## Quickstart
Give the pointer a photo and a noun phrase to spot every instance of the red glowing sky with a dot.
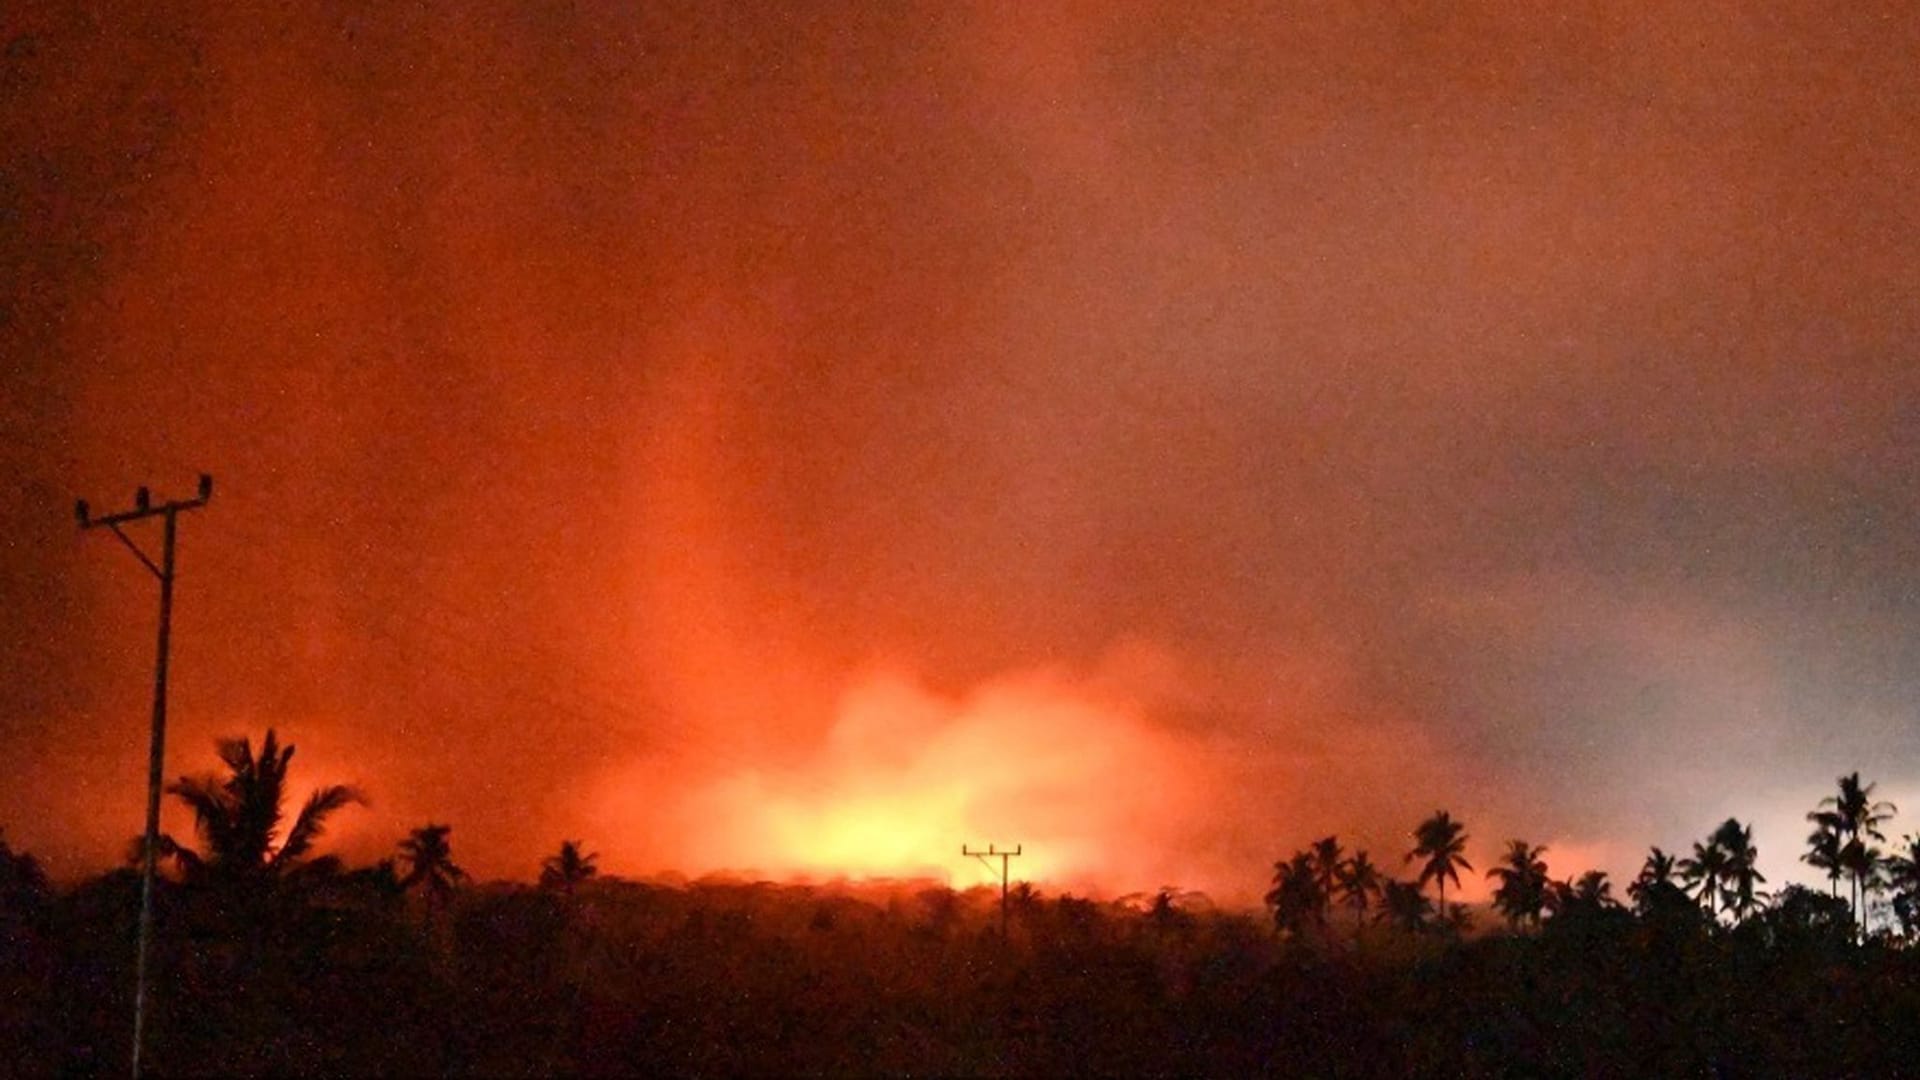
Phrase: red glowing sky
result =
(809, 440)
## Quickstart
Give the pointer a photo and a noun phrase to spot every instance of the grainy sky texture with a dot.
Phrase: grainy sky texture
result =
(808, 437)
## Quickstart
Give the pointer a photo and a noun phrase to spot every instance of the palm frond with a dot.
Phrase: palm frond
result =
(311, 821)
(213, 814)
(258, 790)
(237, 754)
(203, 794)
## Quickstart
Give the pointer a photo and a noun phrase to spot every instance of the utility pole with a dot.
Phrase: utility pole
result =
(156, 752)
(1003, 856)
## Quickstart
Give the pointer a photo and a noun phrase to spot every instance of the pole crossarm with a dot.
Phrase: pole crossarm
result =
(143, 507)
(991, 852)
(125, 516)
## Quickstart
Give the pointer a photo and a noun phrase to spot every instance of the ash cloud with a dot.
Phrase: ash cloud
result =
(606, 394)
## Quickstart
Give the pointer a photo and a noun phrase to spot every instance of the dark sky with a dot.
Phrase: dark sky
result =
(811, 436)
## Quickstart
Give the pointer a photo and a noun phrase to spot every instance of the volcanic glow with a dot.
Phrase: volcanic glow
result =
(906, 776)
(738, 435)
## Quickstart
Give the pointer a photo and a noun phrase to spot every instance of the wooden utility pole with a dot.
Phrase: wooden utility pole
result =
(156, 750)
(1003, 856)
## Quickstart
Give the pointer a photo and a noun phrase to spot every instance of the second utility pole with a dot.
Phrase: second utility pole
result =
(156, 749)
(1004, 856)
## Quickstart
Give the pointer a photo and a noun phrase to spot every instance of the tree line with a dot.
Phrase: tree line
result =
(273, 958)
(1720, 878)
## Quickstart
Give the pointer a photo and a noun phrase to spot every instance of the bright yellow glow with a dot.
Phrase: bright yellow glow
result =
(872, 834)
(906, 777)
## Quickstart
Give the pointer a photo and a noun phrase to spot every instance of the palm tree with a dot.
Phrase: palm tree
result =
(1296, 899)
(1359, 882)
(1404, 905)
(1327, 858)
(1441, 842)
(1903, 878)
(569, 868)
(1864, 864)
(1522, 891)
(1858, 811)
(1705, 874)
(1823, 847)
(1655, 889)
(238, 817)
(1594, 890)
(1581, 903)
(430, 864)
(1655, 872)
(1738, 894)
(1857, 818)
(1457, 920)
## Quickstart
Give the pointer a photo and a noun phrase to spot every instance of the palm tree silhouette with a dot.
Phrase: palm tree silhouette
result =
(1441, 842)
(1656, 871)
(1705, 873)
(1457, 920)
(1359, 883)
(1655, 889)
(1327, 858)
(1594, 890)
(1583, 900)
(1522, 891)
(1403, 905)
(1740, 876)
(568, 868)
(238, 817)
(1863, 863)
(1903, 878)
(1857, 818)
(1296, 899)
(430, 864)
(1858, 811)
(1823, 847)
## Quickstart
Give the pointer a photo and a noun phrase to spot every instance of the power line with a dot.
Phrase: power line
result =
(156, 751)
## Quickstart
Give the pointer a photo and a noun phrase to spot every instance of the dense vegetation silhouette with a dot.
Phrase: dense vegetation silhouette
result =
(271, 960)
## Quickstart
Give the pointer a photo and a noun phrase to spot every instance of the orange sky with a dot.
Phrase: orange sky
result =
(1158, 435)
